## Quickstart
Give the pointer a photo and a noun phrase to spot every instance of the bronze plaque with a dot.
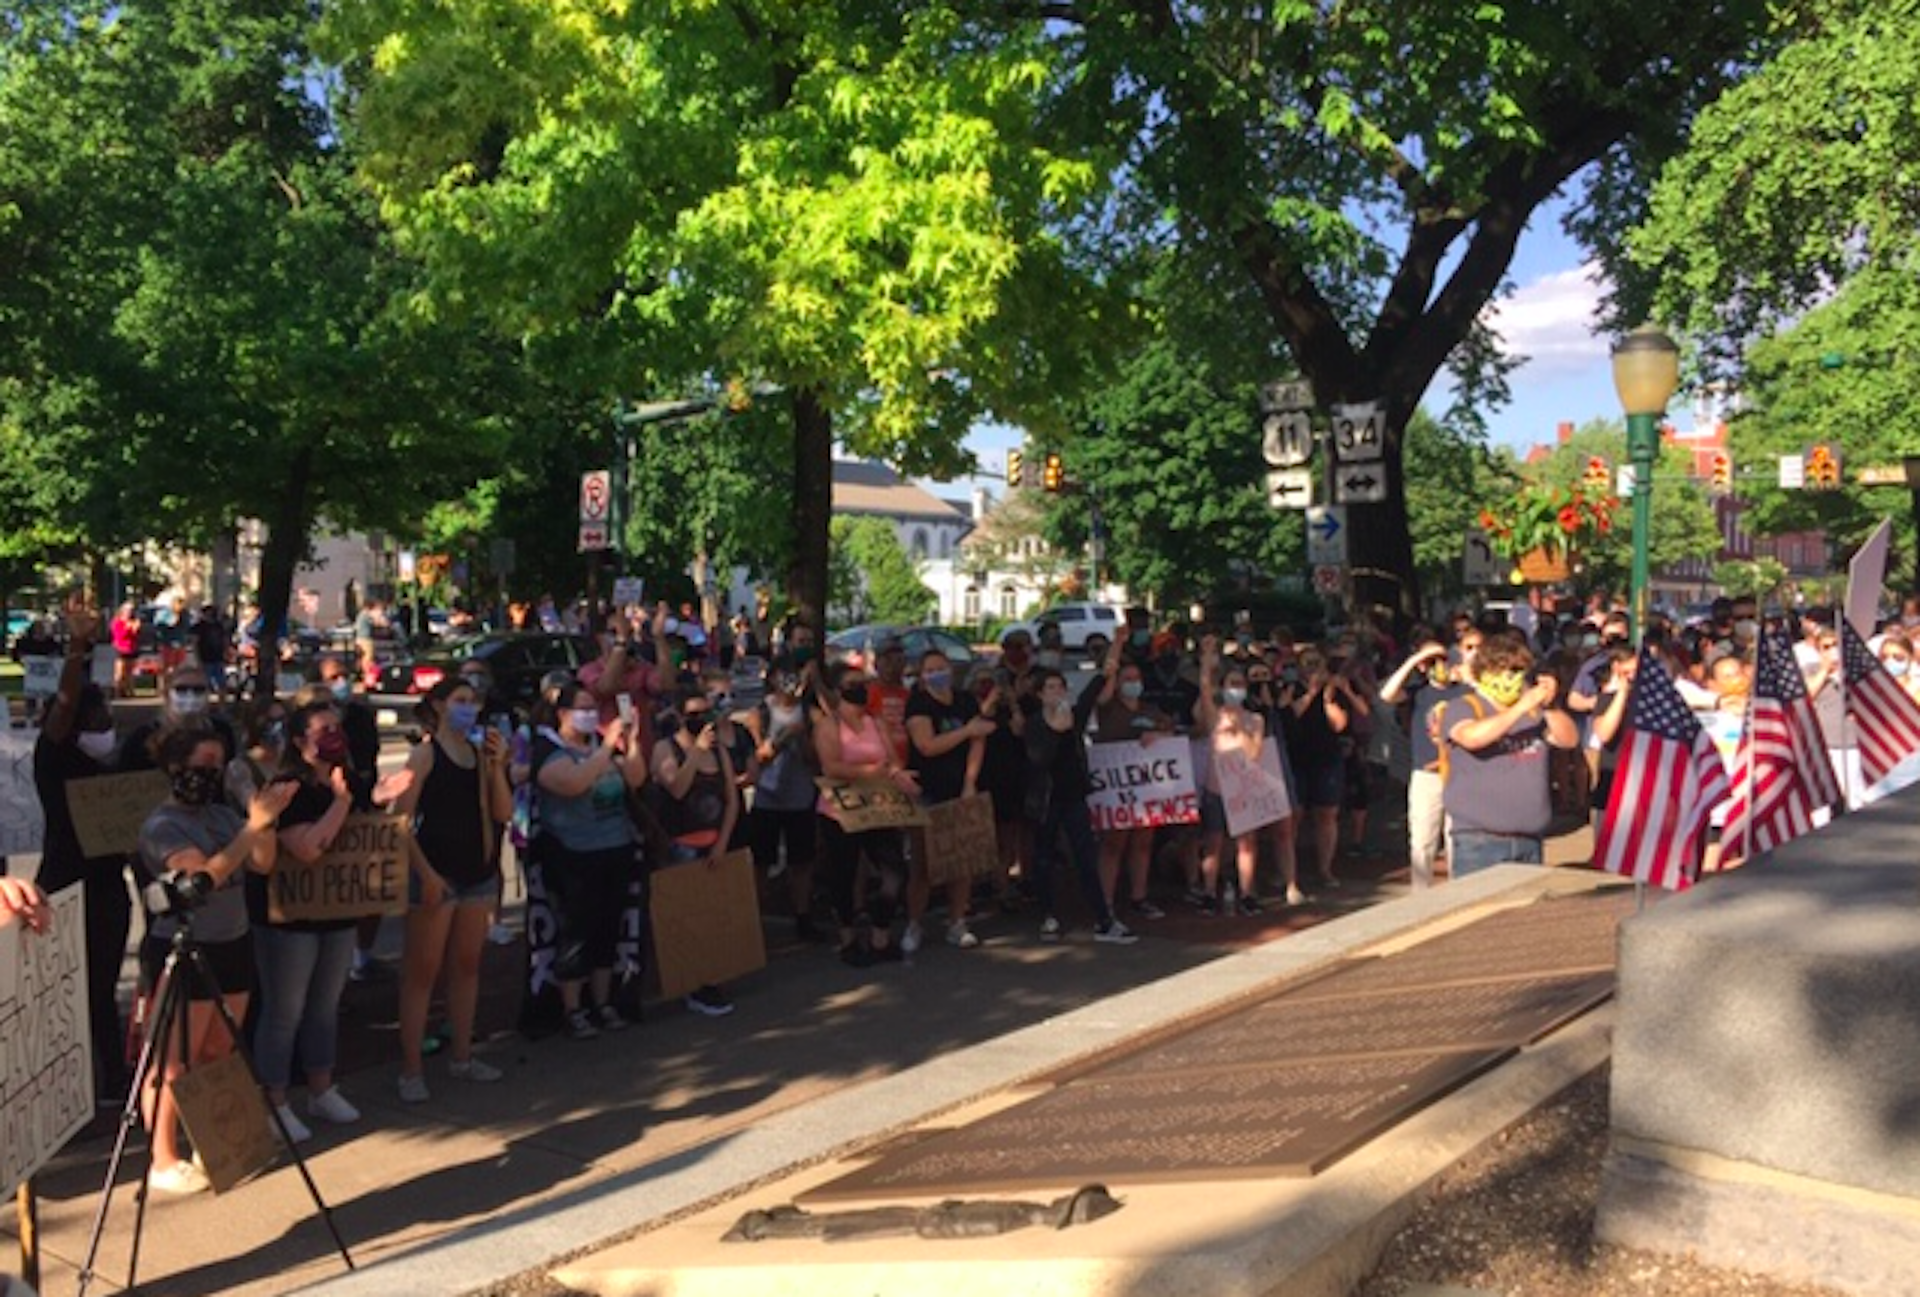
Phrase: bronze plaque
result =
(1288, 1120)
(1529, 942)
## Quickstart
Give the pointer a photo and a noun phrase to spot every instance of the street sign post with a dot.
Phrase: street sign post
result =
(1327, 578)
(1286, 438)
(1793, 472)
(1360, 484)
(1358, 432)
(1327, 535)
(596, 497)
(1479, 565)
(1296, 394)
(593, 536)
(1290, 488)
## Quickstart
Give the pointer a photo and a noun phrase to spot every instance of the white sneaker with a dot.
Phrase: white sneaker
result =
(413, 1089)
(474, 1069)
(1115, 933)
(959, 934)
(1295, 896)
(331, 1105)
(911, 938)
(296, 1129)
(1050, 929)
(180, 1179)
(501, 935)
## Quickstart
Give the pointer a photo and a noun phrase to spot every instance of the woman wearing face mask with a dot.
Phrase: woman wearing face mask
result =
(947, 738)
(1231, 724)
(263, 737)
(303, 963)
(850, 745)
(587, 842)
(196, 832)
(1055, 736)
(1120, 715)
(741, 746)
(781, 825)
(77, 741)
(1319, 704)
(699, 804)
(458, 797)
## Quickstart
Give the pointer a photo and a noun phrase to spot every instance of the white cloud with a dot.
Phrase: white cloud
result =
(1552, 321)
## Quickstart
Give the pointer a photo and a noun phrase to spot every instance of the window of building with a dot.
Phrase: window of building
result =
(970, 605)
(1009, 601)
(921, 545)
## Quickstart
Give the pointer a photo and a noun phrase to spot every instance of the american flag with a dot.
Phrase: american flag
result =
(1886, 718)
(1668, 778)
(1783, 773)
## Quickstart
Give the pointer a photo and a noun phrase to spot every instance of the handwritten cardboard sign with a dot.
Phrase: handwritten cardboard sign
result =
(706, 923)
(226, 1117)
(364, 873)
(22, 827)
(961, 841)
(870, 804)
(108, 810)
(46, 1065)
(1138, 785)
(1255, 792)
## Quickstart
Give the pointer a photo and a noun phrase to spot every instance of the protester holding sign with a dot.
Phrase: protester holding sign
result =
(196, 833)
(699, 804)
(78, 742)
(1234, 729)
(1057, 759)
(1322, 705)
(851, 746)
(303, 963)
(583, 769)
(1120, 716)
(458, 798)
(947, 743)
(781, 824)
(22, 902)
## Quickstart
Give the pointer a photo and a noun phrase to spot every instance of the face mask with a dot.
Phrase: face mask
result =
(1897, 667)
(1504, 687)
(1746, 629)
(462, 717)
(1016, 657)
(342, 689)
(1140, 638)
(97, 744)
(696, 724)
(1589, 641)
(331, 747)
(585, 721)
(1233, 697)
(186, 704)
(1131, 690)
(802, 654)
(274, 735)
(1049, 659)
(938, 681)
(196, 785)
(1437, 673)
(855, 694)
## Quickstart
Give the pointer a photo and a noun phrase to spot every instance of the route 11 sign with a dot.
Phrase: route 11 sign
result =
(1286, 438)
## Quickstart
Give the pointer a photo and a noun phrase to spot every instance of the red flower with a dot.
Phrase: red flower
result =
(1605, 523)
(1569, 519)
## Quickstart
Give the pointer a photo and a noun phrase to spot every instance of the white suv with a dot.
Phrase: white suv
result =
(1084, 627)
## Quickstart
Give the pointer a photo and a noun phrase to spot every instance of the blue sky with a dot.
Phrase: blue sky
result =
(1549, 319)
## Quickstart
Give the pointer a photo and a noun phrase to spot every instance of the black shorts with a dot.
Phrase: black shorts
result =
(230, 962)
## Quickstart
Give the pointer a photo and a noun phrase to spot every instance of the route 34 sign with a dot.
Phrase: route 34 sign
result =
(1358, 432)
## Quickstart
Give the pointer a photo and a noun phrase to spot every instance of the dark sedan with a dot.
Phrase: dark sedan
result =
(519, 660)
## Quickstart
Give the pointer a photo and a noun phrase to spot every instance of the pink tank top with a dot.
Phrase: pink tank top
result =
(863, 746)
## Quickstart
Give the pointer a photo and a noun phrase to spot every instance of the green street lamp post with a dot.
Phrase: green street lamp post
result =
(1646, 373)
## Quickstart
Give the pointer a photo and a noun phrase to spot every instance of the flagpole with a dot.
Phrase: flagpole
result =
(1746, 778)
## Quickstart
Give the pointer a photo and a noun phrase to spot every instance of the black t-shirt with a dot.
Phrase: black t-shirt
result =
(942, 778)
(61, 860)
(1005, 763)
(311, 802)
(1312, 742)
(1178, 697)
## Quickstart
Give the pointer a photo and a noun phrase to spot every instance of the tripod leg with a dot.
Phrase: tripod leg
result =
(153, 1053)
(212, 985)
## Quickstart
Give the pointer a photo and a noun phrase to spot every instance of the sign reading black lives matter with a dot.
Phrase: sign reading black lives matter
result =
(364, 872)
(46, 1067)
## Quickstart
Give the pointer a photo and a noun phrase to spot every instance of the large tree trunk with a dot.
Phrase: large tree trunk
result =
(1385, 584)
(287, 533)
(812, 507)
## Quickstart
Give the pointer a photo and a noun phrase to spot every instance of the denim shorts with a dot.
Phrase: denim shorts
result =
(470, 894)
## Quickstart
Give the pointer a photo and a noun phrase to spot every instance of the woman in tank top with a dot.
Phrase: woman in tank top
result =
(458, 794)
(851, 745)
(699, 802)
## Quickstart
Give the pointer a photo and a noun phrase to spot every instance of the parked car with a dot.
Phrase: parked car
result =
(518, 660)
(857, 644)
(1087, 628)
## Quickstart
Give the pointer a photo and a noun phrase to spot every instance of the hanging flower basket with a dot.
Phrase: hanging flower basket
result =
(1543, 566)
(1539, 529)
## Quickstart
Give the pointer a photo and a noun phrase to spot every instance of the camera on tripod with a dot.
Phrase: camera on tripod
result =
(178, 891)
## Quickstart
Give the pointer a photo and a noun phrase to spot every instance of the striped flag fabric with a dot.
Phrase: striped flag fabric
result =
(1783, 774)
(1666, 782)
(1885, 718)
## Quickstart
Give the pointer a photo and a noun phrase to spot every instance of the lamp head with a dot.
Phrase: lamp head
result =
(1646, 370)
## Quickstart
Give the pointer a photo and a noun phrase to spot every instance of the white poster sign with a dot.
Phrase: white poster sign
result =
(22, 827)
(42, 676)
(1255, 792)
(46, 1069)
(1142, 785)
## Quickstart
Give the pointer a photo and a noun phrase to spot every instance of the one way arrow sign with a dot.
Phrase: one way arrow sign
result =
(1290, 488)
(1360, 484)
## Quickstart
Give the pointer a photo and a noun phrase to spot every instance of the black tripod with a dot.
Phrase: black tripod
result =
(170, 1027)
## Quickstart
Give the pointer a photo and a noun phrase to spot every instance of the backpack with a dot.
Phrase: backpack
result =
(1437, 730)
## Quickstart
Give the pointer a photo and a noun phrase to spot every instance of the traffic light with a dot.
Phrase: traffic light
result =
(1599, 473)
(1720, 475)
(1016, 465)
(1053, 477)
(1823, 467)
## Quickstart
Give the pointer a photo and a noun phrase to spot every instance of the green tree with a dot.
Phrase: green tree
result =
(875, 578)
(844, 201)
(1450, 475)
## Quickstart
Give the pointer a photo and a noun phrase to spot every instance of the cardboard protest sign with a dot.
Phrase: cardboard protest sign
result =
(1141, 785)
(42, 676)
(1255, 792)
(706, 923)
(22, 827)
(46, 1065)
(961, 841)
(364, 873)
(870, 804)
(227, 1119)
(108, 810)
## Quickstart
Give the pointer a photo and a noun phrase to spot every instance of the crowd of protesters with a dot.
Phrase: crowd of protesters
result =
(1497, 733)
